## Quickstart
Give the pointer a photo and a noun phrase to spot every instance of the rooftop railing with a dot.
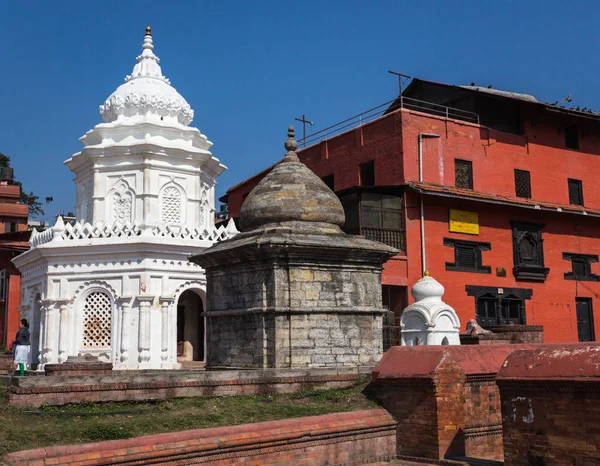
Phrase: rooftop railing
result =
(376, 112)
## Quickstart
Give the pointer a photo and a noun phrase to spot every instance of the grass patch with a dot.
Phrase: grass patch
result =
(25, 428)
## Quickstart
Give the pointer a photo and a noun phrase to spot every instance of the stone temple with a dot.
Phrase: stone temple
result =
(117, 284)
(292, 290)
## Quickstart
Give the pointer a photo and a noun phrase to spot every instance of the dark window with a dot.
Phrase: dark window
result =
(528, 252)
(377, 216)
(367, 173)
(585, 322)
(572, 137)
(3, 278)
(581, 267)
(575, 192)
(467, 256)
(329, 181)
(10, 227)
(522, 184)
(463, 174)
(499, 306)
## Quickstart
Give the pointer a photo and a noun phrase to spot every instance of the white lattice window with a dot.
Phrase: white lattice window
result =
(122, 202)
(97, 312)
(170, 207)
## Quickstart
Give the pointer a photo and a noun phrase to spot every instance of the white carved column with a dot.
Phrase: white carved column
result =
(63, 330)
(48, 312)
(125, 304)
(95, 198)
(165, 303)
(144, 328)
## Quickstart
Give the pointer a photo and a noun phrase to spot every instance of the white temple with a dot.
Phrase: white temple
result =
(429, 320)
(117, 284)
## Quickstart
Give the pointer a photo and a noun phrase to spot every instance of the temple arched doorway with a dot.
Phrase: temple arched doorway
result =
(190, 327)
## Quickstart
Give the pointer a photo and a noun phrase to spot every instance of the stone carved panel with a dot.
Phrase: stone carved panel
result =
(170, 206)
(97, 315)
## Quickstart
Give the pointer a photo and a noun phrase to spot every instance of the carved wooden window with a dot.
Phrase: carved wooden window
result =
(171, 206)
(581, 267)
(467, 256)
(97, 315)
(575, 192)
(499, 306)
(572, 137)
(528, 252)
(463, 174)
(522, 184)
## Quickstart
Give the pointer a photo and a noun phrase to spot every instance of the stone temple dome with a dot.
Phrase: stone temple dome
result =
(291, 192)
(147, 93)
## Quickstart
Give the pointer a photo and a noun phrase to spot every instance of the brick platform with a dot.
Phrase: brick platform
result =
(141, 385)
(344, 438)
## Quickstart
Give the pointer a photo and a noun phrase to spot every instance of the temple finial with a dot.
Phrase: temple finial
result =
(148, 31)
(291, 145)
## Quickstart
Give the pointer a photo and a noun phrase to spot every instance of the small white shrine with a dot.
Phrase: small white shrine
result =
(118, 284)
(429, 320)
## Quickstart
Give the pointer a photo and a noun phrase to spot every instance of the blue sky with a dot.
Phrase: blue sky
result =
(249, 68)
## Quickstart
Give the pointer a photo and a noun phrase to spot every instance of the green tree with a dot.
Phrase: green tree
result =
(33, 201)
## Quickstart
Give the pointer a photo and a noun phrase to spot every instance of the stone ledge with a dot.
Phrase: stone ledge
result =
(57, 390)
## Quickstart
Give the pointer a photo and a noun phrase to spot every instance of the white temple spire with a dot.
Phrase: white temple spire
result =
(147, 63)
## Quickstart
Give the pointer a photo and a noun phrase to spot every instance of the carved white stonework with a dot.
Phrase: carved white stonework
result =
(429, 321)
(109, 284)
(170, 206)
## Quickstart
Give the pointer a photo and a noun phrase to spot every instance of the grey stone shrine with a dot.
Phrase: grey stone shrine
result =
(292, 290)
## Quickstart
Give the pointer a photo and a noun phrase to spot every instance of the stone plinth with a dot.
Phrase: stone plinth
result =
(79, 365)
(293, 290)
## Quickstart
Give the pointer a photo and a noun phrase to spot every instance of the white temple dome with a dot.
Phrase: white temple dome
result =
(427, 287)
(147, 93)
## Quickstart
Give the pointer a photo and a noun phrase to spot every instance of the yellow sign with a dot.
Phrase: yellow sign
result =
(464, 222)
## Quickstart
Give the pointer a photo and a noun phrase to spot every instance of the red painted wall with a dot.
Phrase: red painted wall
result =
(392, 142)
(553, 302)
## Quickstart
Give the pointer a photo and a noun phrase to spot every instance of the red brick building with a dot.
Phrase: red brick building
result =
(492, 192)
(13, 240)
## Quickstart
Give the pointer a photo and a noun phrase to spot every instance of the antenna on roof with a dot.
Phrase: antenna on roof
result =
(303, 120)
(400, 76)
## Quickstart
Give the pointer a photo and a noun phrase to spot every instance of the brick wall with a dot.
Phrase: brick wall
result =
(141, 385)
(550, 405)
(345, 438)
(445, 399)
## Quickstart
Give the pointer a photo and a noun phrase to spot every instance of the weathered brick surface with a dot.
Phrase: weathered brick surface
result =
(551, 405)
(345, 438)
(35, 391)
(445, 399)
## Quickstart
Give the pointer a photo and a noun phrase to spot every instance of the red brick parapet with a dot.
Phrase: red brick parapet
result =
(445, 399)
(550, 405)
(344, 438)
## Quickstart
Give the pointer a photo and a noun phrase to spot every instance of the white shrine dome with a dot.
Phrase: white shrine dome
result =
(147, 94)
(428, 288)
